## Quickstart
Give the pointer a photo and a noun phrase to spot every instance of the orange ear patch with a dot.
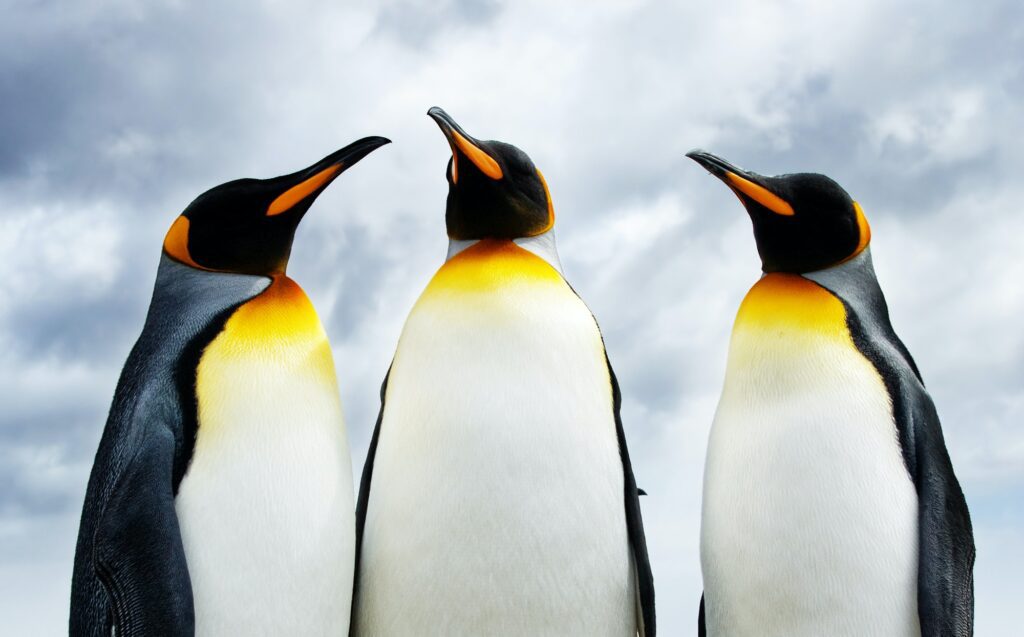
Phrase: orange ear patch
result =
(176, 243)
(863, 227)
(480, 159)
(286, 200)
(551, 206)
(761, 195)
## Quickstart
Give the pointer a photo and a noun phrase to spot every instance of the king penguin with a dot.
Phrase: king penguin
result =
(220, 500)
(830, 503)
(497, 497)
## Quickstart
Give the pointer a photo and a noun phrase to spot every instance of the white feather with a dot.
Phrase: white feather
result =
(496, 505)
(810, 517)
(543, 245)
(266, 508)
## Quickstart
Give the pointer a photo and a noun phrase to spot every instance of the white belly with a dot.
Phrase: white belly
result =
(266, 507)
(496, 505)
(810, 518)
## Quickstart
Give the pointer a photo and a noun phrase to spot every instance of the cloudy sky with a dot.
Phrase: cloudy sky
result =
(114, 115)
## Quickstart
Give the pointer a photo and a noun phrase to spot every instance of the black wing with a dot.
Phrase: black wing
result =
(634, 520)
(130, 571)
(364, 498)
(702, 629)
(945, 586)
(137, 549)
(945, 583)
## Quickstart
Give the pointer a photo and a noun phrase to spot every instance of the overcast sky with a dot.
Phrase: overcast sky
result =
(114, 115)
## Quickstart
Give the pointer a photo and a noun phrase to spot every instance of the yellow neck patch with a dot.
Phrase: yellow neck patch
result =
(786, 302)
(490, 264)
(271, 356)
(278, 317)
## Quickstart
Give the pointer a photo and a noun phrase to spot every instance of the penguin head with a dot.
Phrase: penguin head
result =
(247, 226)
(494, 190)
(802, 222)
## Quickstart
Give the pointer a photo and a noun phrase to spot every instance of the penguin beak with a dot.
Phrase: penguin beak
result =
(304, 186)
(464, 145)
(748, 186)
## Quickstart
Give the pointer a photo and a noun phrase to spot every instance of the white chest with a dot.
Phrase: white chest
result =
(810, 518)
(266, 505)
(496, 505)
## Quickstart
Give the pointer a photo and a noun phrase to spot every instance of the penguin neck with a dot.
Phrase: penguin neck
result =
(819, 301)
(854, 281)
(858, 265)
(543, 245)
(185, 293)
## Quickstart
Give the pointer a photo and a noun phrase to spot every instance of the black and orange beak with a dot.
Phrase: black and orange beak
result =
(747, 185)
(464, 146)
(305, 185)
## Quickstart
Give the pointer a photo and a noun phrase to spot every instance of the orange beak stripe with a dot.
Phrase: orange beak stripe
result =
(455, 163)
(286, 200)
(480, 159)
(761, 195)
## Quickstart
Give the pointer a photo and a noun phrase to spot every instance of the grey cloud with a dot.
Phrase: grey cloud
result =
(410, 22)
(94, 334)
(135, 110)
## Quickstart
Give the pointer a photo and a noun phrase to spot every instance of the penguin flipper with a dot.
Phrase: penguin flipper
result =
(634, 521)
(945, 581)
(138, 552)
(702, 629)
(364, 497)
(945, 584)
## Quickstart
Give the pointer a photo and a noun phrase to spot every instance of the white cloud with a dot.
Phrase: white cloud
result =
(55, 251)
(917, 115)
